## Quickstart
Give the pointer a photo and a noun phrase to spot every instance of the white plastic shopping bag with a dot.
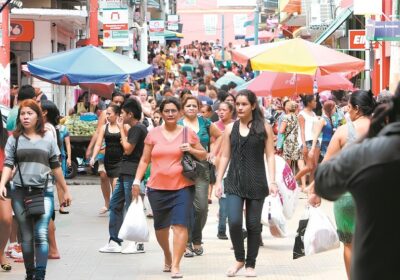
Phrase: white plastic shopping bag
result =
(287, 186)
(272, 216)
(134, 227)
(320, 234)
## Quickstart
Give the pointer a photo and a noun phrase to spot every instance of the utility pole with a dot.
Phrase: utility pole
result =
(4, 53)
(93, 21)
(143, 36)
(368, 59)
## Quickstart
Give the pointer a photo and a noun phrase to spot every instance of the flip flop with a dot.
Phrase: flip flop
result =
(63, 212)
(103, 210)
(167, 268)
(176, 275)
(233, 271)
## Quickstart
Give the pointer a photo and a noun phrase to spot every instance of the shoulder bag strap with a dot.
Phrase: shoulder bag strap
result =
(185, 137)
(17, 162)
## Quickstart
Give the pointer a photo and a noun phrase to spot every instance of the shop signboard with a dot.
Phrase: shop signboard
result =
(173, 21)
(22, 30)
(115, 28)
(156, 27)
(383, 30)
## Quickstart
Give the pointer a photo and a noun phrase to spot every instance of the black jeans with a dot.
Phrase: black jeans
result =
(253, 225)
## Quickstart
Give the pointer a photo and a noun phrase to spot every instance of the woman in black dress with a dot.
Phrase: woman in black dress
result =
(111, 135)
(244, 144)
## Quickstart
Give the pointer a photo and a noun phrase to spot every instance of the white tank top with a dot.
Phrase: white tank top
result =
(308, 125)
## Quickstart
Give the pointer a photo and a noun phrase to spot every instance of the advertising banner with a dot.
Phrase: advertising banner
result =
(115, 28)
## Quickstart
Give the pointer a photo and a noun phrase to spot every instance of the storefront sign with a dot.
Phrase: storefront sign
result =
(115, 28)
(357, 39)
(383, 30)
(173, 21)
(22, 30)
(156, 27)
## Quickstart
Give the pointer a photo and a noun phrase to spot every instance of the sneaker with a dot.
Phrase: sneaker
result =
(111, 247)
(16, 252)
(133, 248)
(222, 236)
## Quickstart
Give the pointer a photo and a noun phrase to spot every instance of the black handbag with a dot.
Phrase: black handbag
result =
(190, 165)
(34, 199)
(298, 248)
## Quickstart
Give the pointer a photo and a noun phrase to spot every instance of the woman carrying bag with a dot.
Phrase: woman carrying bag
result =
(170, 193)
(35, 154)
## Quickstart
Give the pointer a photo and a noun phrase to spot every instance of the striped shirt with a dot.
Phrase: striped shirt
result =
(36, 159)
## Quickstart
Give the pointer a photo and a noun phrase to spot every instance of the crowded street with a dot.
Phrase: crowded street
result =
(199, 139)
(83, 231)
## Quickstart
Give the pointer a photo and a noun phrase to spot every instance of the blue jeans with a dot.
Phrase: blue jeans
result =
(34, 231)
(253, 226)
(223, 215)
(120, 200)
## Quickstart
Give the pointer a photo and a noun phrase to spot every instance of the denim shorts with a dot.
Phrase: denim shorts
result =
(171, 207)
(309, 145)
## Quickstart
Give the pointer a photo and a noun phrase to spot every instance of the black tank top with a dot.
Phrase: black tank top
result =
(246, 175)
(114, 149)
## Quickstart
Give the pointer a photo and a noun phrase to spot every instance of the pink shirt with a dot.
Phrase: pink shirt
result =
(166, 167)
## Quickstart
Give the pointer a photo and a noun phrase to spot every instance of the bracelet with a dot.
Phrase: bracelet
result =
(273, 183)
(136, 182)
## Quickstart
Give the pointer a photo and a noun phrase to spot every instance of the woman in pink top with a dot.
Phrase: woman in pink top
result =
(170, 193)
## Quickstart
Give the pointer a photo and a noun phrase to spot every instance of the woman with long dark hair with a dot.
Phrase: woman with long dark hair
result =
(369, 171)
(36, 154)
(360, 108)
(245, 142)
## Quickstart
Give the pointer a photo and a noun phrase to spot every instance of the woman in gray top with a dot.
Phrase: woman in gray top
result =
(36, 154)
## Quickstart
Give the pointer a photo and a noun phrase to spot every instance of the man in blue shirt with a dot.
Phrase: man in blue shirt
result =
(204, 99)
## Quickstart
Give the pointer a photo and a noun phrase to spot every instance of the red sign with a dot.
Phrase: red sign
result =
(22, 30)
(357, 40)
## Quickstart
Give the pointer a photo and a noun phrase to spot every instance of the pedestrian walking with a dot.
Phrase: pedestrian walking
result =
(225, 113)
(36, 154)
(360, 108)
(132, 142)
(369, 171)
(111, 135)
(170, 194)
(205, 131)
(245, 142)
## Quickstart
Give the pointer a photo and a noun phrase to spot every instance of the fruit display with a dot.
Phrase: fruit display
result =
(78, 127)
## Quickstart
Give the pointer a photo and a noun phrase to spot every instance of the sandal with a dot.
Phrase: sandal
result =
(233, 271)
(103, 210)
(176, 275)
(188, 254)
(6, 267)
(167, 268)
(198, 251)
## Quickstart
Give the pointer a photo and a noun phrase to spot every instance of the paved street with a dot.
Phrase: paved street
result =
(81, 233)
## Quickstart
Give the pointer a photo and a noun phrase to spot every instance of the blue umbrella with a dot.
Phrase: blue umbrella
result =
(88, 65)
(227, 78)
